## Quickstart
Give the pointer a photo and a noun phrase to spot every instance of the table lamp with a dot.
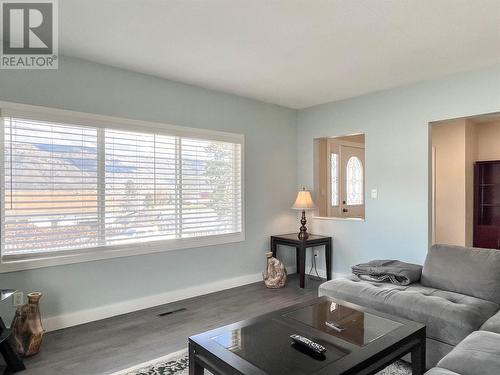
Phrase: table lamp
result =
(303, 202)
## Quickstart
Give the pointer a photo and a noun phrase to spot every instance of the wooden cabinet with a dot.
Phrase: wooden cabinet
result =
(487, 204)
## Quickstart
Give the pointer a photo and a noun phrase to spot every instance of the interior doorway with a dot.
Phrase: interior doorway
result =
(339, 176)
(465, 188)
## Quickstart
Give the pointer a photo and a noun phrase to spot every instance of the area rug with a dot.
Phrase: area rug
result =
(177, 364)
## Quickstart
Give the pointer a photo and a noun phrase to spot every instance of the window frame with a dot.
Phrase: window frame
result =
(48, 259)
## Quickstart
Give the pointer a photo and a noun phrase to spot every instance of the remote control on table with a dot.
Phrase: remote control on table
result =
(308, 344)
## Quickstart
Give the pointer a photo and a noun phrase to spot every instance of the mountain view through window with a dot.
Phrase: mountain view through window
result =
(69, 187)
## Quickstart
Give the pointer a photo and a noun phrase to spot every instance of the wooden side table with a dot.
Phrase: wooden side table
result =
(300, 251)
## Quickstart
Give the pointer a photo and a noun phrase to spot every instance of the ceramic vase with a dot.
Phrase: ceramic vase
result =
(27, 329)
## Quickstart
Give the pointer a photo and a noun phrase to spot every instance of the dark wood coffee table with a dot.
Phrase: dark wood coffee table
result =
(369, 342)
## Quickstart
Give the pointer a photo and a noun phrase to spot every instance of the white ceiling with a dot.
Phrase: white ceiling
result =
(296, 53)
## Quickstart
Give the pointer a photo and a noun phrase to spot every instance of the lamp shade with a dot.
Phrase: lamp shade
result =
(304, 201)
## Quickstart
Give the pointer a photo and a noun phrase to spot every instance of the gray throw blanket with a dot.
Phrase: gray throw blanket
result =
(399, 273)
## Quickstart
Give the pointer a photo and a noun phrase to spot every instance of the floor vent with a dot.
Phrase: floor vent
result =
(172, 312)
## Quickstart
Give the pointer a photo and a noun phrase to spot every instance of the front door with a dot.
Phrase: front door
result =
(352, 177)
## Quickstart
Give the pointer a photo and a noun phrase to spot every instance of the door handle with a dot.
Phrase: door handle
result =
(345, 210)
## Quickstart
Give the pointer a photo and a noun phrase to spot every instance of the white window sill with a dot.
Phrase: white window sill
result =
(119, 251)
(333, 218)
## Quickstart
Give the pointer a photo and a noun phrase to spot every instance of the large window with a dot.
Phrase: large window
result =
(69, 188)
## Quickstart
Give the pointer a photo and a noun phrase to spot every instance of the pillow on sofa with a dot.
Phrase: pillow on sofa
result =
(466, 270)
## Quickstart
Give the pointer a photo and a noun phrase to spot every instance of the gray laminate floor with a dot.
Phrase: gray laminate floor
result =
(112, 344)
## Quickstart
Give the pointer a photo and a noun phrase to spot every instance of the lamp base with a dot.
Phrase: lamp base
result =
(303, 235)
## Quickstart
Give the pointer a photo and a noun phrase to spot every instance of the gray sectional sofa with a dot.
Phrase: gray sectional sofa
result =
(477, 354)
(458, 295)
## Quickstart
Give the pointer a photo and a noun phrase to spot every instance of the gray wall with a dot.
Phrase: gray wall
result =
(397, 148)
(270, 180)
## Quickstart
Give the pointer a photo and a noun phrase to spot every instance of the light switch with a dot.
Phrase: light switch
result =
(374, 193)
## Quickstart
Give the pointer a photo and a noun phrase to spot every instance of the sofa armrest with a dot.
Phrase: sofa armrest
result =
(492, 324)
(440, 371)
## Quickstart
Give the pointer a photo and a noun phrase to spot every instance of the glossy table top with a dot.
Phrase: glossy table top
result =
(357, 327)
(6, 293)
(294, 237)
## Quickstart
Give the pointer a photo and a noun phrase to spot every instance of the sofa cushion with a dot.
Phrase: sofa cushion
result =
(449, 316)
(466, 270)
(492, 324)
(478, 354)
(435, 350)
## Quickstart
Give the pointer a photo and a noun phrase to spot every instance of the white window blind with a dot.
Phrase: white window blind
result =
(141, 187)
(68, 187)
(210, 187)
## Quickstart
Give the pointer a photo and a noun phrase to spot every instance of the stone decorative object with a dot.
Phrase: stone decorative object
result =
(27, 330)
(275, 276)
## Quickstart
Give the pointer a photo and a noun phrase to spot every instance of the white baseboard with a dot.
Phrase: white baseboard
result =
(54, 323)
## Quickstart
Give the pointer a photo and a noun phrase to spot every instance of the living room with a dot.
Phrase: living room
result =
(152, 159)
